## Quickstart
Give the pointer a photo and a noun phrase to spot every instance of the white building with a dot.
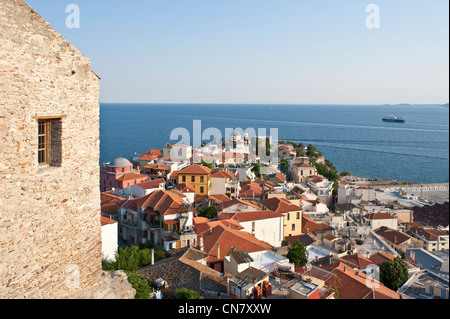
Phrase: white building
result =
(142, 189)
(300, 169)
(267, 261)
(223, 183)
(322, 187)
(110, 237)
(177, 152)
(265, 225)
(312, 205)
(377, 220)
(351, 193)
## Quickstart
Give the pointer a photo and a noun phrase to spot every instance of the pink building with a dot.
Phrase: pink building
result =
(119, 174)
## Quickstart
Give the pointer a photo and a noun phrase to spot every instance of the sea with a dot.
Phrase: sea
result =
(353, 137)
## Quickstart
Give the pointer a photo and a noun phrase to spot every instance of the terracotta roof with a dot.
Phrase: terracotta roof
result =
(352, 284)
(153, 152)
(222, 174)
(309, 226)
(157, 167)
(128, 203)
(250, 189)
(250, 216)
(161, 201)
(228, 238)
(358, 260)
(380, 258)
(185, 188)
(280, 205)
(109, 198)
(217, 199)
(130, 177)
(430, 234)
(203, 225)
(147, 157)
(379, 216)
(394, 236)
(235, 201)
(183, 270)
(196, 170)
(106, 220)
(304, 165)
(152, 184)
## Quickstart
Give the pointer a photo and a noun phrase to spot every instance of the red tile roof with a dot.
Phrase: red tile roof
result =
(185, 188)
(358, 260)
(380, 258)
(157, 167)
(250, 189)
(430, 234)
(235, 201)
(222, 174)
(109, 203)
(130, 177)
(106, 220)
(353, 284)
(153, 153)
(379, 216)
(161, 201)
(250, 216)
(152, 184)
(196, 169)
(394, 236)
(309, 226)
(304, 165)
(224, 234)
(280, 205)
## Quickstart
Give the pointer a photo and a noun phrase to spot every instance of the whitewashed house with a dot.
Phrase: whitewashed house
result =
(110, 238)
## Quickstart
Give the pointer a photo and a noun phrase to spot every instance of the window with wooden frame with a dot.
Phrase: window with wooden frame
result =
(49, 151)
(44, 141)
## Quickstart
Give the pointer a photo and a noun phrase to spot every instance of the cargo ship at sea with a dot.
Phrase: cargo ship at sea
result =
(392, 118)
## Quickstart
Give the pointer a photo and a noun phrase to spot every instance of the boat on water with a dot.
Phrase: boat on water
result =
(392, 118)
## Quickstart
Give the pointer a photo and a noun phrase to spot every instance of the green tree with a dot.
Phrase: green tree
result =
(140, 284)
(394, 273)
(209, 165)
(297, 254)
(133, 258)
(311, 151)
(209, 212)
(184, 293)
(283, 164)
(345, 173)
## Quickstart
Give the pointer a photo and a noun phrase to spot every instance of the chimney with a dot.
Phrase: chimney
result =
(202, 247)
(218, 251)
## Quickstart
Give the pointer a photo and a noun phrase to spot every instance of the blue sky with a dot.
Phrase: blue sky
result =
(261, 51)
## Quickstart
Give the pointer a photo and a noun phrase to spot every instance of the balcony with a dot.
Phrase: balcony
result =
(180, 235)
(128, 224)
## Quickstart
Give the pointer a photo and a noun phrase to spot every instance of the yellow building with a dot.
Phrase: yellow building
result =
(198, 176)
(292, 214)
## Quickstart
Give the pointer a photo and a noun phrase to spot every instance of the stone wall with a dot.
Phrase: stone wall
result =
(50, 233)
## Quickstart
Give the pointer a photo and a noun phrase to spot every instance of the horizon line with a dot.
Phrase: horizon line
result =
(293, 104)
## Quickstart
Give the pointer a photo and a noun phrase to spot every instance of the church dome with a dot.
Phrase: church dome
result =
(120, 162)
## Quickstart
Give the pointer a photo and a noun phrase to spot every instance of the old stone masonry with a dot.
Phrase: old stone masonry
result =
(50, 231)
